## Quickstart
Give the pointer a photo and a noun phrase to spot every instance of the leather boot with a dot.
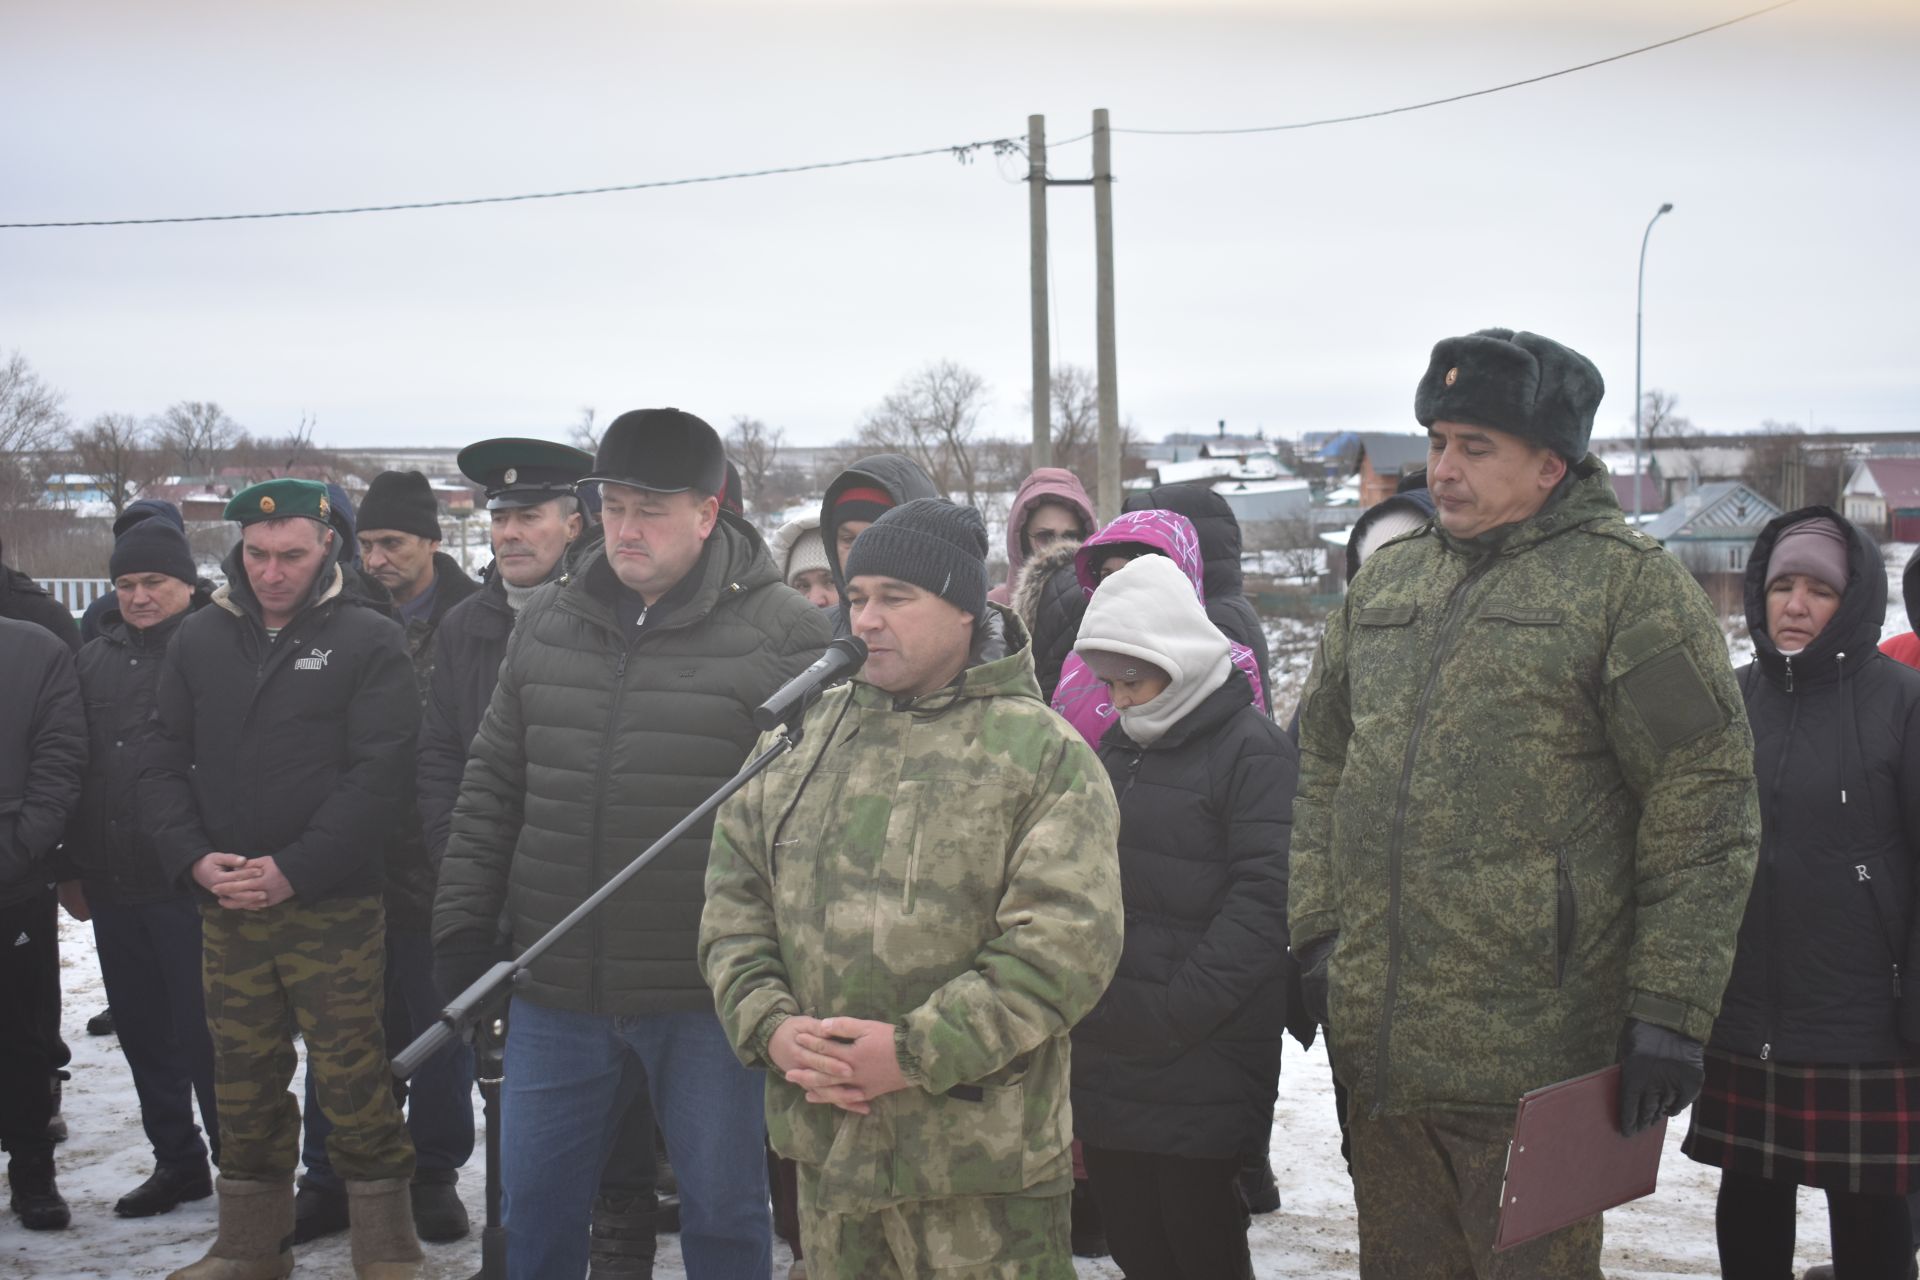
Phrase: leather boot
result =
(438, 1214)
(35, 1198)
(623, 1237)
(255, 1241)
(167, 1187)
(383, 1241)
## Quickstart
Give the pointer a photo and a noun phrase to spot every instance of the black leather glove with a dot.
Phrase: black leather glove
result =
(1660, 1074)
(1313, 976)
(461, 960)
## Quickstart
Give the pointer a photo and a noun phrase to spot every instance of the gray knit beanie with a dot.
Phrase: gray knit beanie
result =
(937, 545)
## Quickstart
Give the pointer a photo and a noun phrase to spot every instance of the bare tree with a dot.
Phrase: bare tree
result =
(1294, 550)
(931, 417)
(755, 450)
(584, 433)
(1660, 424)
(115, 450)
(197, 433)
(31, 424)
(1075, 418)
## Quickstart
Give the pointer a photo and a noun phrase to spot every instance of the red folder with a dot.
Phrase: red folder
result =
(1568, 1161)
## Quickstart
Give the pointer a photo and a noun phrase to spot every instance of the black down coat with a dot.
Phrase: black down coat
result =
(1224, 586)
(1182, 1054)
(43, 753)
(299, 748)
(109, 846)
(596, 742)
(1826, 948)
(24, 600)
(1049, 600)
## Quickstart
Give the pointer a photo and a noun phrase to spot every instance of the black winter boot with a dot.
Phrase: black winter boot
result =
(36, 1200)
(438, 1214)
(170, 1186)
(318, 1212)
(101, 1023)
(623, 1238)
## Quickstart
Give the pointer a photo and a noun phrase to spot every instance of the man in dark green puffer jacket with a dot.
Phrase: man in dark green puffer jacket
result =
(625, 699)
(1526, 824)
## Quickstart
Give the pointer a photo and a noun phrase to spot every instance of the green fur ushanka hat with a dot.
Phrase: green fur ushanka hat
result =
(1520, 383)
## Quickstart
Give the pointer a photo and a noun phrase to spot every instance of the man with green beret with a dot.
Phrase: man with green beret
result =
(285, 723)
(625, 698)
(1526, 823)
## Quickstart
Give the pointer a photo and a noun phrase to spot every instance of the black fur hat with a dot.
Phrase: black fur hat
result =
(1520, 383)
(665, 450)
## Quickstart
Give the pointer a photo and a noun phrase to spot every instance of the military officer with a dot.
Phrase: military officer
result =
(907, 915)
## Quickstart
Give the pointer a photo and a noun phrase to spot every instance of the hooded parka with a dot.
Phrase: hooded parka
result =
(1049, 602)
(1046, 484)
(944, 863)
(899, 477)
(1829, 936)
(1526, 806)
(109, 846)
(598, 739)
(43, 753)
(299, 748)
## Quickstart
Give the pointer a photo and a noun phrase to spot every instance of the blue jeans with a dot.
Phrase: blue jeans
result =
(560, 1108)
(440, 1094)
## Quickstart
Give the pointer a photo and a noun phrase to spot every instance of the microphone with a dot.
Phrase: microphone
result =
(842, 658)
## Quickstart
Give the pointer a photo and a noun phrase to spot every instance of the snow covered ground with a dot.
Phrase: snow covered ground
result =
(1311, 1238)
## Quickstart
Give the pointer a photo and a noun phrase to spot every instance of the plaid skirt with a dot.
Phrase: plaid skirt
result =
(1844, 1126)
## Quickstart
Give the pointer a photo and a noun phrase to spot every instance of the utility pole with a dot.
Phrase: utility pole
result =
(1037, 249)
(1107, 498)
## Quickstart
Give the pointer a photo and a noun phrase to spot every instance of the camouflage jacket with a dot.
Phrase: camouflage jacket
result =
(947, 864)
(1526, 806)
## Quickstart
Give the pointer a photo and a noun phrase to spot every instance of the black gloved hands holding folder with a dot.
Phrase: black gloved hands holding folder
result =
(1660, 1074)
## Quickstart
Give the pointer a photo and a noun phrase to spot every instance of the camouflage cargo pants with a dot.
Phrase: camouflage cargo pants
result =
(1428, 1190)
(317, 969)
(966, 1238)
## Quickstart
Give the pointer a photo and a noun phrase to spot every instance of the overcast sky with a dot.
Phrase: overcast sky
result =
(1291, 281)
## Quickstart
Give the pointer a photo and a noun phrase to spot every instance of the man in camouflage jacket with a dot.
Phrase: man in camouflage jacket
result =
(907, 915)
(1526, 824)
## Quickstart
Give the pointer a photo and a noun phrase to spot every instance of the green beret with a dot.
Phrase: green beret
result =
(278, 499)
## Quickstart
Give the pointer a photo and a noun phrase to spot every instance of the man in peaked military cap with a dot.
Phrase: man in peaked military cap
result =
(1526, 823)
(905, 918)
(285, 719)
(625, 698)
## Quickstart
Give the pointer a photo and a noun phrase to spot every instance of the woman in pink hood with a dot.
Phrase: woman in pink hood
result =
(1072, 517)
(1080, 695)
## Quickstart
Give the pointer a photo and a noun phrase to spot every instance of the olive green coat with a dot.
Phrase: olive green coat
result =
(948, 865)
(1526, 806)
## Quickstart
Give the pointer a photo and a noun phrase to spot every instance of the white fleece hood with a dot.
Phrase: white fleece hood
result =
(1147, 610)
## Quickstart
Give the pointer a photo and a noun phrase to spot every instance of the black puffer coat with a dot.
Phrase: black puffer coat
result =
(109, 846)
(1829, 937)
(1224, 586)
(598, 741)
(1182, 1054)
(43, 753)
(299, 748)
(1049, 600)
(24, 600)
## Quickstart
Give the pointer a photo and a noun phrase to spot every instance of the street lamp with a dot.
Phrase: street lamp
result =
(1639, 305)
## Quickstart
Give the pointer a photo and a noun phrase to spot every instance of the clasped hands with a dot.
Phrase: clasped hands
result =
(242, 884)
(847, 1062)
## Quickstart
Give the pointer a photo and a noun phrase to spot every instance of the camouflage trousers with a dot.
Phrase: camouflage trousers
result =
(965, 1238)
(316, 969)
(1428, 1190)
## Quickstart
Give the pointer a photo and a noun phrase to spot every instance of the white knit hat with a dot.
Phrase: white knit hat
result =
(798, 547)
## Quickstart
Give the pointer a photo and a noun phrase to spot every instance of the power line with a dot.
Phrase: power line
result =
(1458, 97)
(963, 152)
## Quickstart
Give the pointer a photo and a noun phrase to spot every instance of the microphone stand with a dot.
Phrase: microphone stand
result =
(486, 999)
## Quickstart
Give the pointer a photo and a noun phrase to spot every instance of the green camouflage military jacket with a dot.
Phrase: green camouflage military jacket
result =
(1526, 806)
(947, 864)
